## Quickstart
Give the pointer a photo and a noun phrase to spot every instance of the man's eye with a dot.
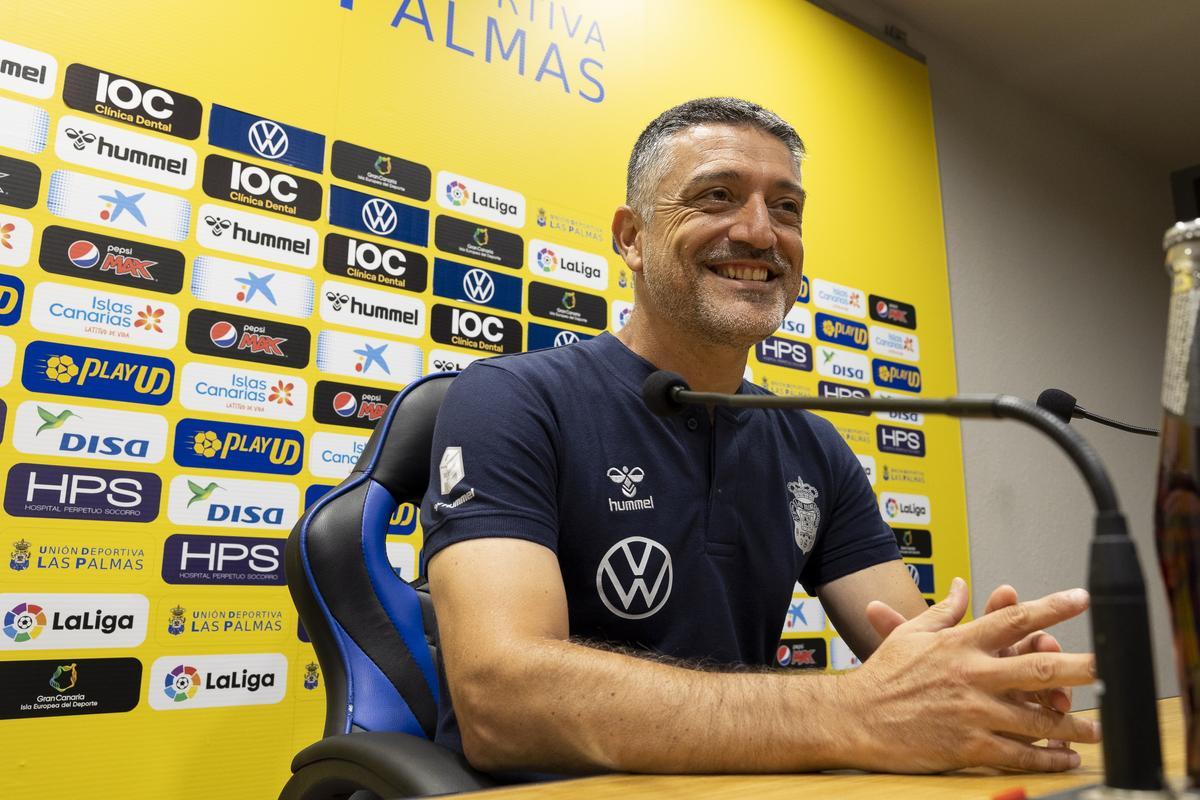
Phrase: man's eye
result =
(790, 206)
(720, 195)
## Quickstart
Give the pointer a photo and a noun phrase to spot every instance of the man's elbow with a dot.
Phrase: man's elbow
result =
(489, 713)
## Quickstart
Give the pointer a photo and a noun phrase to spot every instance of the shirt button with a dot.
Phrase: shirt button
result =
(692, 424)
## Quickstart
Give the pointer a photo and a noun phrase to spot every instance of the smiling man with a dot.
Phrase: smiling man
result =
(610, 585)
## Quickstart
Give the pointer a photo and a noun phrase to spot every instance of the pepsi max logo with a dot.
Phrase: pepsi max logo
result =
(107, 259)
(259, 340)
(893, 312)
(350, 405)
(228, 560)
(802, 653)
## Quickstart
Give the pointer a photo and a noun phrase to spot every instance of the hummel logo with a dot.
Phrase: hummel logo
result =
(627, 478)
(80, 139)
(337, 300)
(217, 224)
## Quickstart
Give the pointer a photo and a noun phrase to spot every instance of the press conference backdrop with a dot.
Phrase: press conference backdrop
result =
(231, 232)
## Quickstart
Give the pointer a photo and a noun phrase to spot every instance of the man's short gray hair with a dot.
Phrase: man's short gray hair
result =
(648, 162)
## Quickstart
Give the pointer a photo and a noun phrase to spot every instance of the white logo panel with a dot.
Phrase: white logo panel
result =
(897, 344)
(35, 621)
(96, 314)
(214, 500)
(903, 417)
(246, 392)
(906, 509)
(8, 354)
(560, 263)
(255, 236)
(97, 145)
(16, 238)
(841, 657)
(447, 361)
(22, 126)
(81, 431)
(361, 307)
(182, 682)
(868, 465)
(333, 455)
(481, 200)
(836, 297)
(109, 204)
(798, 322)
(368, 357)
(26, 71)
(245, 286)
(403, 558)
(805, 615)
(843, 365)
(620, 315)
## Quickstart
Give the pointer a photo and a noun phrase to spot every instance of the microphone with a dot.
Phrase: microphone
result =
(1119, 615)
(1062, 405)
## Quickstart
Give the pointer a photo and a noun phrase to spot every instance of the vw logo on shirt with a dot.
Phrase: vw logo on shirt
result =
(634, 578)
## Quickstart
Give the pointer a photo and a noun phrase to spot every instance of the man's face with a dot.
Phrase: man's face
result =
(722, 253)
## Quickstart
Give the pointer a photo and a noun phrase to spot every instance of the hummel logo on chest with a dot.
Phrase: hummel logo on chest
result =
(628, 479)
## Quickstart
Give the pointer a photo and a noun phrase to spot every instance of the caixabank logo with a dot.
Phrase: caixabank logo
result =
(91, 432)
(77, 371)
(380, 170)
(371, 262)
(107, 259)
(52, 556)
(349, 404)
(81, 493)
(107, 148)
(263, 341)
(261, 187)
(892, 375)
(252, 288)
(475, 330)
(208, 444)
(481, 242)
(256, 236)
(230, 560)
(132, 102)
(90, 313)
(476, 285)
(37, 621)
(111, 204)
(378, 216)
(207, 681)
(236, 130)
(369, 357)
(844, 332)
(481, 200)
(217, 501)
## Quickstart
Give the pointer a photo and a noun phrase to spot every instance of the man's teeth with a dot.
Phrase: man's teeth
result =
(737, 273)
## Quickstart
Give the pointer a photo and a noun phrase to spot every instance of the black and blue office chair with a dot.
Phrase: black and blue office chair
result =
(375, 635)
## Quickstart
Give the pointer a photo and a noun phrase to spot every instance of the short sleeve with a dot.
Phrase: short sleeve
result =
(493, 470)
(855, 537)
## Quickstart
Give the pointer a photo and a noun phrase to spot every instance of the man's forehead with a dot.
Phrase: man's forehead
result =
(708, 148)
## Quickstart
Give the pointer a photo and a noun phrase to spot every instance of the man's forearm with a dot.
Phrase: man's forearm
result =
(561, 706)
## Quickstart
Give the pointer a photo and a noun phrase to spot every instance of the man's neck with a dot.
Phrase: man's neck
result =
(706, 367)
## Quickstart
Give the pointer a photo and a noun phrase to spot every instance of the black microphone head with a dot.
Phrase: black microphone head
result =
(658, 392)
(1058, 403)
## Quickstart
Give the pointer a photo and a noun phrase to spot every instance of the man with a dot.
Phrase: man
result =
(606, 580)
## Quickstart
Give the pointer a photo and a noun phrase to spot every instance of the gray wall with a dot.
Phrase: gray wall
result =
(1056, 279)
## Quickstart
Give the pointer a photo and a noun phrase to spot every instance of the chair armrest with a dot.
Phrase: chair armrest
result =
(389, 764)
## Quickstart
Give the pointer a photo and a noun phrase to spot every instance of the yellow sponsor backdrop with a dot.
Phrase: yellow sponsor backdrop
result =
(556, 128)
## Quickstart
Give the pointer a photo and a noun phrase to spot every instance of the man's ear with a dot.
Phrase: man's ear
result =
(627, 235)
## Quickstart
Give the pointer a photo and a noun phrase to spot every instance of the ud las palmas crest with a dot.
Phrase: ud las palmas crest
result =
(806, 516)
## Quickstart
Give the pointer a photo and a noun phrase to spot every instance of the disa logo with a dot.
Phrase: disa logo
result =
(78, 371)
(209, 444)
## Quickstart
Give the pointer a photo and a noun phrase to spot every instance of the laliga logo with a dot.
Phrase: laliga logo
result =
(24, 622)
(182, 683)
(547, 260)
(892, 507)
(457, 193)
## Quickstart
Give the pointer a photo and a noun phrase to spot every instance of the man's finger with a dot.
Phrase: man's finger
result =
(1036, 722)
(1009, 754)
(1036, 671)
(1008, 626)
(883, 618)
(1002, 596)
(945, 614)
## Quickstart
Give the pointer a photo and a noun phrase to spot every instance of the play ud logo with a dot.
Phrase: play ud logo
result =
(634, 578)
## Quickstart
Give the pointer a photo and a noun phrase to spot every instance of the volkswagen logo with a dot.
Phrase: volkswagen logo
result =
(634, 578)
(379, 216)
(564, 338)
(479, 286)
(268, 139)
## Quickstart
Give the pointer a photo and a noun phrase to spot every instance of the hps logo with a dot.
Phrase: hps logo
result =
(68, 621)
(209, 444)
(91, 372)
(81, 493)
(207, 681)
(241, 560)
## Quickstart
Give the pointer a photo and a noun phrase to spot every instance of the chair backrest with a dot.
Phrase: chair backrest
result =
(374, 634)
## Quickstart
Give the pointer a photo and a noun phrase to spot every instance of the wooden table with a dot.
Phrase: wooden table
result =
(962, 785)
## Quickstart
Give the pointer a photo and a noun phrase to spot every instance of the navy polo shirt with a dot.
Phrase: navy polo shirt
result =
(682, 535)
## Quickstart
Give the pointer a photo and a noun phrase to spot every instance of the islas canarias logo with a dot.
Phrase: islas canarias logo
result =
(224, 445)
(92, 372)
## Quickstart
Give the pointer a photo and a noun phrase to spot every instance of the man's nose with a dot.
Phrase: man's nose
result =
(753, 224)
